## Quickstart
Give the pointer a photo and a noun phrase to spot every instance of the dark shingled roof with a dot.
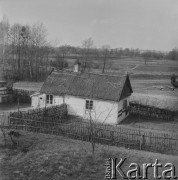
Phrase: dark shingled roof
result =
(88, 85)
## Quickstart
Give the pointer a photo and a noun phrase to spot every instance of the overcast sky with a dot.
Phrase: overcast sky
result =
(144, 24)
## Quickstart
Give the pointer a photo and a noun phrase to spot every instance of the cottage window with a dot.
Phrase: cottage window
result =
(89, 104)
(125, 104)
(49, 99)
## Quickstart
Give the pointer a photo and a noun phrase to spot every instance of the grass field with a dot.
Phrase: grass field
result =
(150, 125)
(55, 157)
(9, 107)
(152, 78)
(160, 68)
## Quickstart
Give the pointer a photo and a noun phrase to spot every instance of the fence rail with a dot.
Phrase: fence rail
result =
(104, 134)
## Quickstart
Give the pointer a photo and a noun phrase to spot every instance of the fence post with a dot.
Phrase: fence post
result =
(112, 137)
(142, 140)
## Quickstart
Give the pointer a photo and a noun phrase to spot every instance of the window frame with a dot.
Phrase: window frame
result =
(49, 99)
(89, 104)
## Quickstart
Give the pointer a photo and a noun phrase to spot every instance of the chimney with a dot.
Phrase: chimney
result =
(77, 67)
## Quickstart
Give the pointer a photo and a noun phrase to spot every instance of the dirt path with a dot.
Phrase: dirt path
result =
(134, 67)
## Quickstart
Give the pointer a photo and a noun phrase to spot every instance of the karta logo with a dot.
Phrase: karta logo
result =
(114, 170)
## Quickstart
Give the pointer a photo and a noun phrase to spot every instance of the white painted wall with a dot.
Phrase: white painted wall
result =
(38, 101)
(34, 101)
(103, 111)
(42, 100)
(76, 105)
(57, 100)
(76, 68)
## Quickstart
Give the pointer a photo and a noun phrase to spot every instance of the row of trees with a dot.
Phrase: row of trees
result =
(24, 50)
(173, 54)
(26, 54)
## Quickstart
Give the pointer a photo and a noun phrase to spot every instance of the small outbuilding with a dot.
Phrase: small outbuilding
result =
(4, 93)
(104, 98)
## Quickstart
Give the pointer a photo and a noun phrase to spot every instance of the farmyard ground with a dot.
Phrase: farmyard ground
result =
(56, 157)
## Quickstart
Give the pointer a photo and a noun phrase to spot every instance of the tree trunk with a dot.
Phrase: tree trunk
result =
(104, 64)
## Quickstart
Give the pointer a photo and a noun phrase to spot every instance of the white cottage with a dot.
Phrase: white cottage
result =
(103, 97)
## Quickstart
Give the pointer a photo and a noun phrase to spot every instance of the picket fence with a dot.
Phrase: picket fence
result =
(104, 134)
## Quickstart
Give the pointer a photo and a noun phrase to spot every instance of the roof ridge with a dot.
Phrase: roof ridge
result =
(79, 76)
(99, 74)
(90, 85)
(114, 75)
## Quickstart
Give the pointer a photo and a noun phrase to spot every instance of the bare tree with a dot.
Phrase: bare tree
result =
(61, 54)
(93, 129)
(105, 55)
(38, 39)
(4, 29)
(93, 117)
(146, 55)
(86, 45)
(25, 49)
(15, 38)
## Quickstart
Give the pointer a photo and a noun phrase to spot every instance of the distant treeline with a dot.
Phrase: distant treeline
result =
(26, 53)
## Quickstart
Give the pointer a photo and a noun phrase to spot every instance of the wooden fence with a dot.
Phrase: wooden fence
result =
(4, 119)
(104, 134)
(51, 114)
(148, 112)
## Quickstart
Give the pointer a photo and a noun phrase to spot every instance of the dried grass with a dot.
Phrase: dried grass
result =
(159, 101)
(56, 157)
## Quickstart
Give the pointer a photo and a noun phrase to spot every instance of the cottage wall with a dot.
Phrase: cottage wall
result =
(35, 101)
(38, 100)
(103, 111)
(76, 105)
(57, 100)
(121, 113)
(42, 100)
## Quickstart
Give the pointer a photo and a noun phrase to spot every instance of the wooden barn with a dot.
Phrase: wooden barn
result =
(103, 97)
